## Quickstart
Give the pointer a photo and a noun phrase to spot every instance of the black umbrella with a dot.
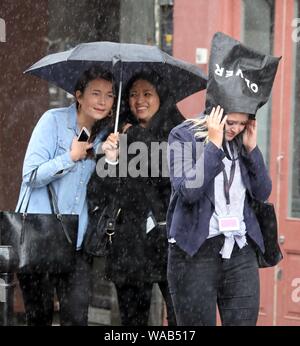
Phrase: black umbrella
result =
(123, 60)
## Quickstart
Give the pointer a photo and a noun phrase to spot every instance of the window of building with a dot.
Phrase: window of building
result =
(258, 33)
(294, 186)
(166, 25)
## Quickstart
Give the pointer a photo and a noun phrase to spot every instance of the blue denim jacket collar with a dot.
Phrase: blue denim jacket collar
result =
(72, 117)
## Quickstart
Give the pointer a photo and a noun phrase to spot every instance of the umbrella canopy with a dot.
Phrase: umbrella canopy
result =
(123, 60)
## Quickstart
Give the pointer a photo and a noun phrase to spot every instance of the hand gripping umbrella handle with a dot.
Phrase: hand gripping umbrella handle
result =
(118, 108)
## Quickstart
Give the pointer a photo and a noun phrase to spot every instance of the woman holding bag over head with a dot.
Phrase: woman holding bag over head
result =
(212, 230)
(66, 163)
(224, 269)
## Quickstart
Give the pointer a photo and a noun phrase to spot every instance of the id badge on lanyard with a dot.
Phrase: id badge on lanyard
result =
(228, 223)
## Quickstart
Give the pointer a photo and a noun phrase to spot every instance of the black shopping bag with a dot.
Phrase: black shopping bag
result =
(240, 79)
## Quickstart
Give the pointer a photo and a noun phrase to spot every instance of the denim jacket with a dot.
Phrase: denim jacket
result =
(49, 151)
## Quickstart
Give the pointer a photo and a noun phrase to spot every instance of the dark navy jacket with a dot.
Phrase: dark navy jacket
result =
(190, 209)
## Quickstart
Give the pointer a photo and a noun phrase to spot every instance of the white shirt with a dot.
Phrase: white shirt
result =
(237, 195)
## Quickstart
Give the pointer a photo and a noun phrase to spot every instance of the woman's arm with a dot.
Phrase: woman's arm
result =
(192, 165)
(41, 153)
(261, 184)
(260, 181)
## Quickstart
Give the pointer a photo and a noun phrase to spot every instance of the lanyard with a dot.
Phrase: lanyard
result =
(227, 184)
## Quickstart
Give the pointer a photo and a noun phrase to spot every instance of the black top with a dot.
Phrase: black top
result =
(135, 254)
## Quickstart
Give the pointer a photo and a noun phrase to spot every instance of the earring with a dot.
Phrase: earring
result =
(110, 114)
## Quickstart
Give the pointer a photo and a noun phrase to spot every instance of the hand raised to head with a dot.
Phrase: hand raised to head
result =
(215, 125)
(250, 135)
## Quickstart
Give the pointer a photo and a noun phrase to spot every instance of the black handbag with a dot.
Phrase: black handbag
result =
(266, 217)
(101, 229)
(40, 242)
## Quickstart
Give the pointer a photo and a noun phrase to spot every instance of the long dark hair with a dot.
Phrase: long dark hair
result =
(167, 116)
(89, 75)
(154, 79)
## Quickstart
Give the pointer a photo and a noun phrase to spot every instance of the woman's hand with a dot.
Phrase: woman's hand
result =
(111, 147)
(250, 135)
(79, 149)
(215, 126)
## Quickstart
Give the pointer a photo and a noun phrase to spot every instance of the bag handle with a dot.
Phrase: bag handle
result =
(31, 179)
(51, 195)
(55, 210)
(52, 201)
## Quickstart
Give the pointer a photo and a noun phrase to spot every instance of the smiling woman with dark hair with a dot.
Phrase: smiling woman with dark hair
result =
(138, 256)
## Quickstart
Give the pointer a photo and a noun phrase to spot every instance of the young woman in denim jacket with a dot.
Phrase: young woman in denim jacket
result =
(212, 230)
(66, 163)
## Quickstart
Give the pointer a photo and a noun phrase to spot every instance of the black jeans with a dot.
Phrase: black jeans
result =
(200, 283)
(73, 290)
(135, 300)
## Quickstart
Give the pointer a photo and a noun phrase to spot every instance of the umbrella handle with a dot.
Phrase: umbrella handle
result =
(118, 108)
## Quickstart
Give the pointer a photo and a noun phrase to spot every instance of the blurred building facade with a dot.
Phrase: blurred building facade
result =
(183, 28)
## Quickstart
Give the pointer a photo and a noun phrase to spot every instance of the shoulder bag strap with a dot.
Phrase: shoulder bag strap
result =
(31, 180)
(55, 210)
(52, 199)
